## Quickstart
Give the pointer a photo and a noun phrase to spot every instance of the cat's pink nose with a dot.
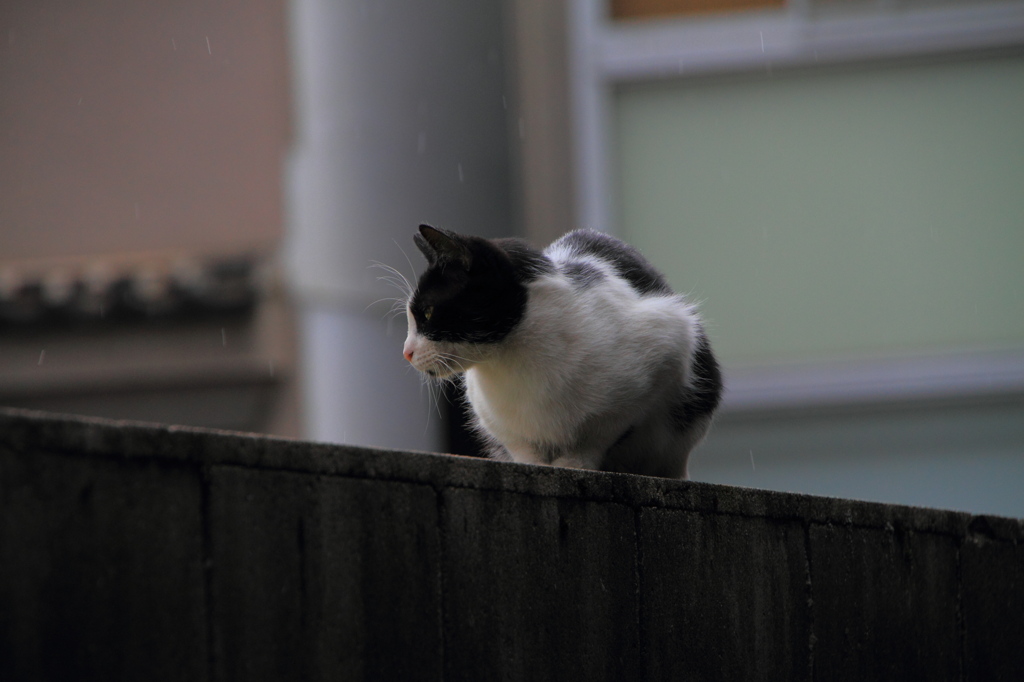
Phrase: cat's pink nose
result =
(408, 355)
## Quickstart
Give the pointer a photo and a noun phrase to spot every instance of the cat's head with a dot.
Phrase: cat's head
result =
(469, 299)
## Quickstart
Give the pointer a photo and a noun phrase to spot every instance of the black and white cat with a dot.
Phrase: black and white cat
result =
(580, 355)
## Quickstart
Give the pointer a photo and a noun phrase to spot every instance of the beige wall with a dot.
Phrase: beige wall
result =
(130, 125)
(131, 132)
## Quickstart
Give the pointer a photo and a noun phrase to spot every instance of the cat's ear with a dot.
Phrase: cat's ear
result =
(442, 246)
(425, 248)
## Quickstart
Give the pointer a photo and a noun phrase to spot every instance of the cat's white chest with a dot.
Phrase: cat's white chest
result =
(516, 408)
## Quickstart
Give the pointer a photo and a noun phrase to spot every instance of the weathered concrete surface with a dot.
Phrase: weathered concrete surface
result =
(323, 577)
(724, 597)
(539, 588)
(992, 586)
(132, 551)
(885, 604)
(101, 569)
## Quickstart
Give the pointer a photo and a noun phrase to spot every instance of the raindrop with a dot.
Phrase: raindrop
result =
(223, 337)
(208, 45)
(752, 461)
(174, 45)
(42, 356)
(461, 178)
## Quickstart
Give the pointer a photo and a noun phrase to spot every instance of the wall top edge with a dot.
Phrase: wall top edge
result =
(27, 431)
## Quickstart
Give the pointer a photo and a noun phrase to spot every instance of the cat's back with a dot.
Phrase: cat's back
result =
(580, 255)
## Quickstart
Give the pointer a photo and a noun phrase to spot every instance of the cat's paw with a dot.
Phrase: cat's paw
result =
(574, 462)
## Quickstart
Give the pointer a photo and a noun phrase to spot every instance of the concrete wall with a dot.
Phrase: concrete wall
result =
(138, 552)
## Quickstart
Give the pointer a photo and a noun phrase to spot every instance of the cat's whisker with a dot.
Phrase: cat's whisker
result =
(425, 384)
(394, 277)
(450, 381)
(397, 309)
(448, 359)
(407, 260)
(396, 284)
(447, 364)
(432, 388)
(397, 304)
(478, 360)
(475, 347)
(388, 268)
(397, 281)
(481, 356)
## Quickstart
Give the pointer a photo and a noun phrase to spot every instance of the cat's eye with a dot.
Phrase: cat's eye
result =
(428, 312)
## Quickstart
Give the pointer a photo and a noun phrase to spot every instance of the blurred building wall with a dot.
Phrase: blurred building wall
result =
(141, 150)
(141, 126)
